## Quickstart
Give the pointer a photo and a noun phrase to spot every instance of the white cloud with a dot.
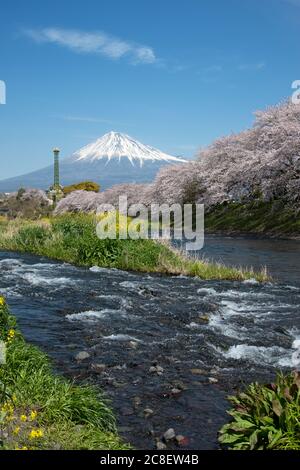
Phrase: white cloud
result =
(213, 69)
(293, 2)
(94, 43)
(83, 119)
(89, 119)
(252, 67)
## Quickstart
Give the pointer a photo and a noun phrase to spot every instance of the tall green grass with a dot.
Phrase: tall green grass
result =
(71, 416)
(72, 238)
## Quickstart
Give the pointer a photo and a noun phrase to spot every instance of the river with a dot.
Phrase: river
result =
(209, 337)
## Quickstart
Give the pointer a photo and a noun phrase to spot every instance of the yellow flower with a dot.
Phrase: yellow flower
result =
(16, 430)
(22, 448)
(33, 415)
(23, 418)
(11, 333)
(7, 408)
(9, 418)
(2, 301)
(35, 434)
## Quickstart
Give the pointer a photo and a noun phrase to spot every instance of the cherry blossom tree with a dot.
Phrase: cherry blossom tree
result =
(261, 162)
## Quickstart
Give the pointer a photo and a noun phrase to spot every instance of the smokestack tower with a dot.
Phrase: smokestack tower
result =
(56, 184)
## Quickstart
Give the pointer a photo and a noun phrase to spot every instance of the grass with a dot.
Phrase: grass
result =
(40, 410)
(265, 416)
(72, 238)
(258, 217)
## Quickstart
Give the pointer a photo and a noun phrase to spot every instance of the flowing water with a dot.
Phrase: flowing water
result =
(209, 337)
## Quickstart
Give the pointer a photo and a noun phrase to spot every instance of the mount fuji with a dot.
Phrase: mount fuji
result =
(113, 159)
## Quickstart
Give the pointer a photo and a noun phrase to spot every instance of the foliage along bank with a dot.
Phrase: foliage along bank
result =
(40, 410)
(72, 238)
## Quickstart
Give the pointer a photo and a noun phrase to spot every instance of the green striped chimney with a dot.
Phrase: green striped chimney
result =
(56, 168)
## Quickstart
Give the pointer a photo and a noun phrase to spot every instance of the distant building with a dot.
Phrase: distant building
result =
(55, 191)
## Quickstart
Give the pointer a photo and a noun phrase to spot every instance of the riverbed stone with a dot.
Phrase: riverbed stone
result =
(213, 380)
(169, 434)
(203, 319)
(82, 355)
(181, 440)
(176, 391)
(160, 445)
(137, 401)
(98, 368)
(198, 372)
(156, 370)
(148, 412)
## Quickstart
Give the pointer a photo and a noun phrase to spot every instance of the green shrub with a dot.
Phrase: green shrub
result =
(265, 416)
(32, 236)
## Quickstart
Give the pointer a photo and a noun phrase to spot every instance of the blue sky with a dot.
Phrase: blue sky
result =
(174, 74)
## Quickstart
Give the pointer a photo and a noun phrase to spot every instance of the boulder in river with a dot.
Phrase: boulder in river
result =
(82, 355)
(98, 368)
(160, 445)
(156, 370)
(169, 435)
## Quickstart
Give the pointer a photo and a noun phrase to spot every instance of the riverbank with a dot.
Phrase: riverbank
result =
(40, 410)
(72, 238)
(273, 219)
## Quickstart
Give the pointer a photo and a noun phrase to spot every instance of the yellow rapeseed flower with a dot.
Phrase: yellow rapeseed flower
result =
(39, 433)
(7, 408)
(11, 334)
(2, 301)
(35, 434)
(16, 430)
(33, 415)
(23, 418)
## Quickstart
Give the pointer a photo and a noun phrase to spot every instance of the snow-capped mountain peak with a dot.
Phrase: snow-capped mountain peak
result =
(116, 145)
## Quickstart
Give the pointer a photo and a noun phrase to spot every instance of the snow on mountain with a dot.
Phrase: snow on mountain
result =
(117, 145)
(113, 159)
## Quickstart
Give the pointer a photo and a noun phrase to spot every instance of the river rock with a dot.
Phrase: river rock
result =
(203, 319)
(212, 380)
(198, 372)
(133, 344)
(160, 445)
(98, 368)
(156, 370)
(148, 412)
(169, 434)
(137, 401)
(178, 384)
(82, 355)
(181, 440)
(117, 384)
(120, 367)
